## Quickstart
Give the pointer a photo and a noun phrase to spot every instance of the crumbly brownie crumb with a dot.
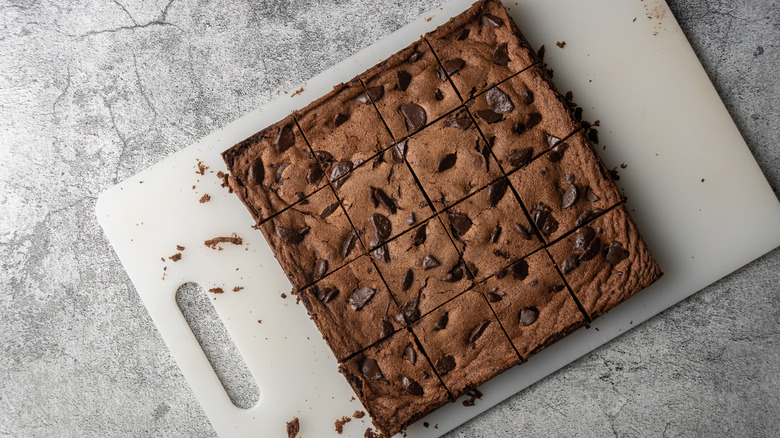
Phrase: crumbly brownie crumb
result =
(293, 427)
(234, 239)
(358, 414)
(339, 424)
(205, 198)
(216, 290)
(176, 257)
(180, 248)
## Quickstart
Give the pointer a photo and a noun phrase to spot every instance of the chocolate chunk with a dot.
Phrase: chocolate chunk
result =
(411, 354)
(452, 66)
(491, 21)
(340, 119)
(441, 323)
(495, 234)
(594, 246)
(556, 153)
(616, 253)
(420, 235)
(324, 156)
(284, 139)
(570, 178)
(571, 263)
(528, 315)
(348, 244)
(447, 162)
(454, 275)
(361, 297)
(569, 196)
(315, 174)
(256, 172)
(497, 190)
(462, 35)
(519, 270)
(291, 236)
(371, 370)
(557, 288)
(494, 297)
(411, 219)
(387, 329)
(583, 238)
(340, 169)
(501, 55)
(477, 331)
(382, 254)
(383, 228)
(520, 157)
(531, 120)
(429, 262)
(399, 151)
(411, 310)
(542, 217)
(280, 171)
(326, 294)
(407, 280)
(403, 78)
(463, 122)
(524, 233)
(411, 387)
(438, 95)
(484, 150)
(590, 195)
(586, 216)
(375, 93)
(379, 197)
(489, 115)
(414, 56)
(320, 268)
(329, 210)
(499, 101)
(459, 222)
(414, 116)
(528, 97)
(445, 364)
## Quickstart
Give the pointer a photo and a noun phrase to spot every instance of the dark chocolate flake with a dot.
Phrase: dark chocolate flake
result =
(315, 174)
(361, 297)
(570, 196)
(430, 262)
(324, 156)
(499, 101)
(583, 238)
(447, 163)
(531, 120)
(411, 387)
(383, 228)
(386, 329)
(497, 190)
(556, 153)
(491, 21)
(445, 364)
(571, 263)
(463, 121)
(348, 244)
(524, 233)
(489, 115)
(441, 323)
(616, 253)
(590, 195)
(320, 268)
(414, 56)
(375, 93)
(403, 78)
(420, 235)
(383, 200)
(340, 119)
(438, 95)
(291, 236)
(339, 170)
(454, 275)
(528, 315)
(459, 222)
(256, 172)
(494, 297)
(452, 66)
(411, 354)
(501, 55)
(411, 219)
(370, 369)
(411, 310)
(594, 246)
(329, 210)
(520, 157)
(414, 116)
(399, 151)
(280, 172)
(284, 139)
(542, 217)
(382, 254)
(462, 35)
(519, 270)
(325, 294)
(495, 234)
(477, 331)
(407, 280)
(528, 97)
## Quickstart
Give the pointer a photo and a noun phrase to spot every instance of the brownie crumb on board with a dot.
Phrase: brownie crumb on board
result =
(370, 433)
(358, 414)
(224, 177)
(284, 295)
(234, 239)
(473, 394)
(425, 424)
(339, 424)
(217, 290)
(237, 288)
(561, 44)
(297, 92)
(201, 168)
(180, 248)
(176, 257)
(293, 427)
(205, 198)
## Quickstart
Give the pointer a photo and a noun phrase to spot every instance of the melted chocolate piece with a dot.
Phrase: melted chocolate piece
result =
(411, 310)
(462, 35)
(570, 196)
(280, 172)
(326, 294)
(329, 210)
(315, 174)
(520, 157)
(454, 275)
(370, 369)
(291, 236)
(339, 170)
(524, 233)
(324, 156)
(445, 364)
(501, 55)
(256, 172)
(414, 116)
(528, 315)
(489, 115)
(411, 219)
(387, 329)
(340, 119)
(494, 297)
(407, 280)
(583, 238)
(499, 101)
(411, 387)
(495, 234)
(616, 253)
(411, 354)
(285, 139)
(383, 228)
(590, 195)
(399, 151)
(430, 262)
(542, 217)
(403, 78)
(477, 331)
(531, 120)
(459, 222)
(348, 244)
(371, 94)
(320, 268)
(438, 95)
(463, 122)
(420, 235)
(571, 263)
(452, 66)
(441, 323)
(382, 254)
(361, 297)
(528, 97)
(497, 190)
(447, 162)
(491, 21)
(379, 197)
(519, 270)
(556, 153)
(414, 56)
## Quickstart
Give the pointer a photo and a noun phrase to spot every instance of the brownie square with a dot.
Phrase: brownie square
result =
(395, 382)
(422, 269)
(312, 238)
(352, 308)
(381, 197)
(480, 48)
(465, 342)
(565, 187)
(490, 229)
(451, 160)
(605, 262)
(409, 91)
(343, 128)
(273, 169)
(533, 304)
(522, 117)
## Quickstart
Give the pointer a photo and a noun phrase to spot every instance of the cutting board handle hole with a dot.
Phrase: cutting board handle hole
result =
(194, 303)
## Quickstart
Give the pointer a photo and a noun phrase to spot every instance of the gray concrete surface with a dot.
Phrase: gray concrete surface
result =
(93, 91)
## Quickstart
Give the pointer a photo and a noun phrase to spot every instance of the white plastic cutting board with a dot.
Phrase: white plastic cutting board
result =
(694, 189)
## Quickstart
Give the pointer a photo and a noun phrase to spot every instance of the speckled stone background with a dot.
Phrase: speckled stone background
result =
(92, 91)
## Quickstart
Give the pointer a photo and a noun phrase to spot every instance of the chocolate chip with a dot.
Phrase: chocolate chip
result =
(324, 156)
(371, 370)
(411, 219)
(499, 101)
(320, 269)
(463, 121)
(380, 198)
(411, 387)
(414, 56)
(557, 288)
(520, 157)
(420, 235)
(497, 190)
(386, 329)
(326, 294)
(447, 162)
(462, 35)
(441, 323)
(501, 55)
(556, 153)
(411, 354)
(452, 66)
(256, 172)
(459, 222)
(429, 262)
(616, 253)
(348, 244)
(284, 139)
(542, 217)
(280, 172)
(383, 228)
(414, 116)
(495, 234)
(445, 364)
(489, 115)
(477, 331)
(494, 297)
(586, 216)
(519, 270)
(399, 151)
(528, 97)
(484, 150)
(531, 120)
(291, 236)
(340, 169)
(411, 310)
(491, 21)
(329, 210)
(382, 254)
(340, 119)
(592, 249)
(407, 280)
(569, 196)
(315, 174)
(571, 263)
(528, 315)
(583, 238)
(590, 195)
(403, 78)
(361, 297)
(438, 95)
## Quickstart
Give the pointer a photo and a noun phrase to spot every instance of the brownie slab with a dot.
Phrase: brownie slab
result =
(395, 382)
(480, 48)
(273, 169)
(465, 342)
(522, 117)
(408, 90)
(381, 196)
(422, 269)
(605, 262)
(533, 304)
(352, 308)
(451, 150)
(490, 229)
(565, 187)
(312, 238)
(343, 128)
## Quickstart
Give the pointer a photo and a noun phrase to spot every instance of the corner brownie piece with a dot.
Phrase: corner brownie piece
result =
(273, 169)
(533, 303)
(451, 150)
(382, 198)
(343, 128)
(480, 47)
(565, 187)
(352, 308)
(395, 382)
(409, 91)
(422, 269)
(312, 238)
(605, 262)
(522, 117)
(490, 229)
(465, 342)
